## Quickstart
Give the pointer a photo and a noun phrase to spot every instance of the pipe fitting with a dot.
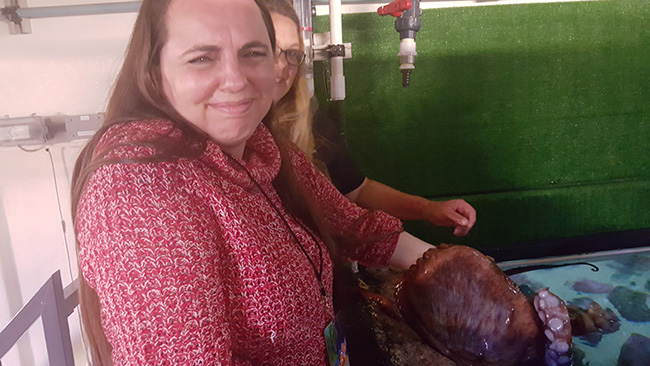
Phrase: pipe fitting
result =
(407, 53)
(408, 24)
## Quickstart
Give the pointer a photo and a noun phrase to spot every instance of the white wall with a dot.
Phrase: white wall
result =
(65, 66)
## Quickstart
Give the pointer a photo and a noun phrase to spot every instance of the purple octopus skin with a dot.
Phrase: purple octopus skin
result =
(463, 305)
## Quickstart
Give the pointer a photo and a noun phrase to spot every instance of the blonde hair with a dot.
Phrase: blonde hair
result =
(293, 109)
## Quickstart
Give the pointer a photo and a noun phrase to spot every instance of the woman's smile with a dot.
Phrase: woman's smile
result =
(233, 108)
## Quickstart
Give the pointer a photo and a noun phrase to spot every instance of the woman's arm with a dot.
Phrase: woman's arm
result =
(373, 195)
(369, 236)
(408, 250)
(377, 196)
(151, 253)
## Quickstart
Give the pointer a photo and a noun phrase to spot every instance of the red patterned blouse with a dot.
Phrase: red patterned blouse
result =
(194, 266)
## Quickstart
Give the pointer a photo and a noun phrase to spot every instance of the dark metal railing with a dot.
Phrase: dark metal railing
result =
(53, 304)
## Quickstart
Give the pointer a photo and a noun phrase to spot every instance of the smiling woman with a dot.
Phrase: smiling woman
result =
(217, 70)
(203, 238)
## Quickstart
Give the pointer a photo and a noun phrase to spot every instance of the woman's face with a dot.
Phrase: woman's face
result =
(286, 37)
(217, 68)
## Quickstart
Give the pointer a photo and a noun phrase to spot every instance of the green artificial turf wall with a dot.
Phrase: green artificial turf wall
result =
(536, 114)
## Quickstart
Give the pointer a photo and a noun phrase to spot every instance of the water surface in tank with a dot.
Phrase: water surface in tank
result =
(621, 284)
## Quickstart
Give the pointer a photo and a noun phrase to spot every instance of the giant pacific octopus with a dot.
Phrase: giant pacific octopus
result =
(461, 303)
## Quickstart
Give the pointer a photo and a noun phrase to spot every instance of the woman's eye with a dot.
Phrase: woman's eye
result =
(293, 53)
(200, 60)
(255, 54)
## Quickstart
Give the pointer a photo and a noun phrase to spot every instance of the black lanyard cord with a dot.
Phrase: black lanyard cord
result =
(318, 273)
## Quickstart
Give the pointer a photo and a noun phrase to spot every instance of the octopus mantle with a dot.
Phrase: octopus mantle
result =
(463, 305)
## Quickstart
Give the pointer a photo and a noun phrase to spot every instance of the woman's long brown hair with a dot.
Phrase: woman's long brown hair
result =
(137, 95)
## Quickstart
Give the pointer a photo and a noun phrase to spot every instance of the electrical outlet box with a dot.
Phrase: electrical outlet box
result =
(83, 126)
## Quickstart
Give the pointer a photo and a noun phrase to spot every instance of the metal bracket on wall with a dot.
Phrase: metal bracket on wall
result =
(17, 24)
(48, 130)
(323, 50)
(17, 11)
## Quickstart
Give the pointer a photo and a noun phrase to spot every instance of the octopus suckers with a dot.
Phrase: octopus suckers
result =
(563, 360)
(559, 346)
(549, 335)
(542, 315)
(555, 324)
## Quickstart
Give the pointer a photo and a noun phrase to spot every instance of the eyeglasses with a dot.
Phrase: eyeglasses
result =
(293, 57)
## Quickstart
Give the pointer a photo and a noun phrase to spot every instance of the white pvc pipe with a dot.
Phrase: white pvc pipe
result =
(75, 10)
(337, 80)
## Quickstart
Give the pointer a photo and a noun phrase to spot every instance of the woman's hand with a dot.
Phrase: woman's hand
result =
(377, 196)
(457, 213)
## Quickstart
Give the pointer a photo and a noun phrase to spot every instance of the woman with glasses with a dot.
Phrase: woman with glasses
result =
(322, 142)
(292, 99)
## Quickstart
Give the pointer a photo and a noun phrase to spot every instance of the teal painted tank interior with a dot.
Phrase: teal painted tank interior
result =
(536, 114)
